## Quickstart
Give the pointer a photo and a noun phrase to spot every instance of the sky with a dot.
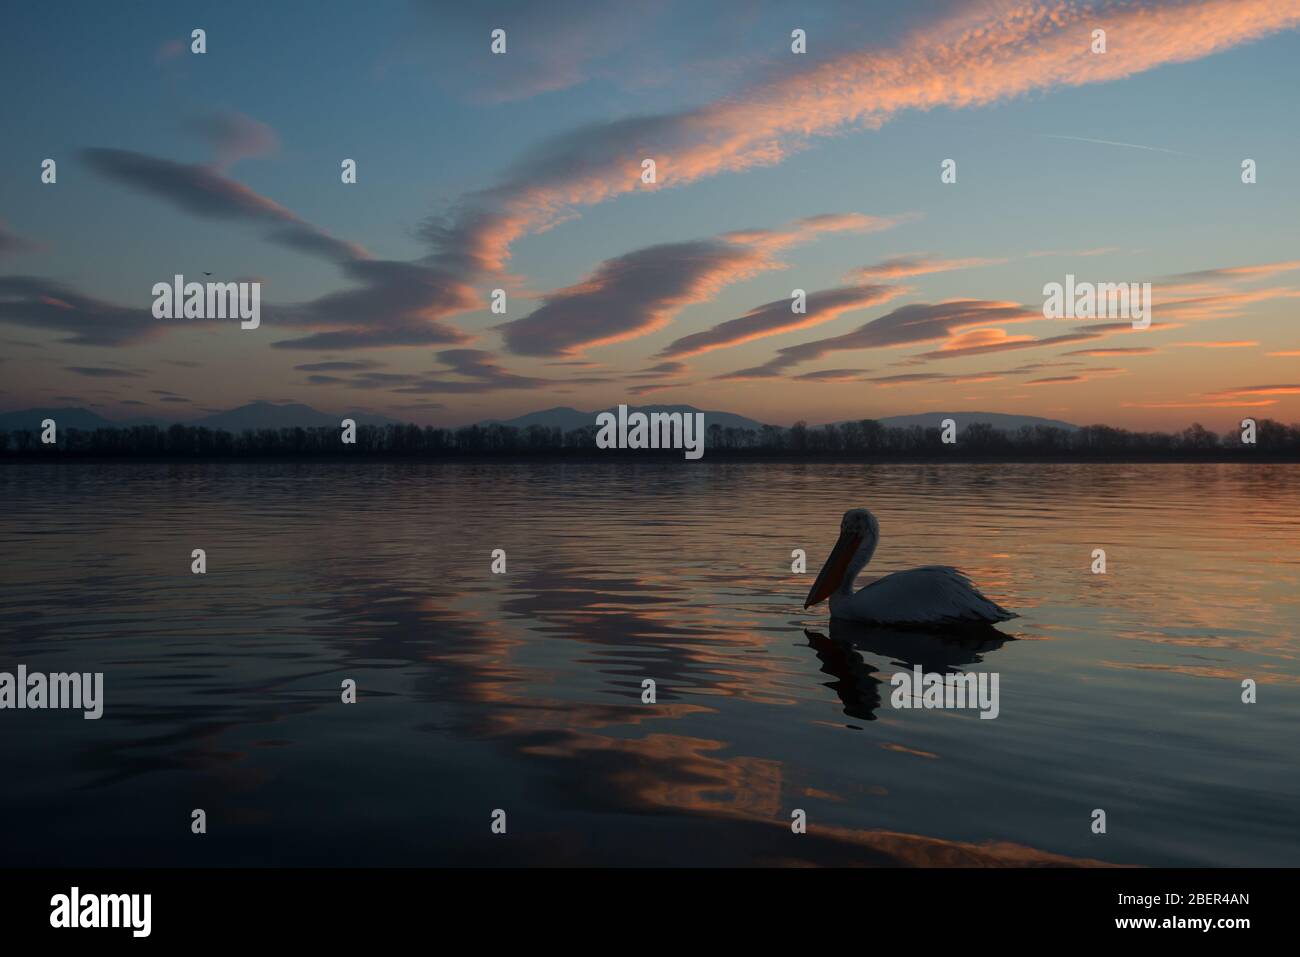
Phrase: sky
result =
(775, 171)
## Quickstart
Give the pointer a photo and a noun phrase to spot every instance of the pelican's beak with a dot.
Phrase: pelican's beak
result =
(832, 573)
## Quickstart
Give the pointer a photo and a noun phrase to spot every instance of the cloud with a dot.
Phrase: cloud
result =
(1221, 305)
(1241, 272)
(908, 378)
(1100, 373)
(11, 243)
(631, 296)
(1036, 366)
(813, 227)
(478, 370)
(169, 50)
(1226, 344)
(101, 372)
(550, 47)
(901, 267)
(832, 375)
(382, 380)
(915, 378)
(1211, 404)
(349, 365)
(1073, 253)
(1007, 344)
(906, 325)
(1255, 390)
(233, 136)
(46, 305)
(203, 191)
(639, 292)
(395, 304)
(648, 388)
(1121, 351)
(392, 304)
(982, 340)
(918, 378)
(982, 56)
(977, 377)
(777, 317)
(664, 368)
(464, 372)
(1056, 380)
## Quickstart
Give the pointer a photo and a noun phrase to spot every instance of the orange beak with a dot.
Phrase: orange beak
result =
(833, 572)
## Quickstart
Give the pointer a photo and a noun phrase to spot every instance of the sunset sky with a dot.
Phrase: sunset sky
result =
(775, 171)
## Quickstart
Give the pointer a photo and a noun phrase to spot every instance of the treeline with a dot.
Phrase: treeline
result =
(862, 439)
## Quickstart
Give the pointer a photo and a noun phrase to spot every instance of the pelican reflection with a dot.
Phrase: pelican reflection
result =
(856, 683)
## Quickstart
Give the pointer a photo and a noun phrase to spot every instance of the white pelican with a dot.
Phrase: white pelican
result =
(930, 595)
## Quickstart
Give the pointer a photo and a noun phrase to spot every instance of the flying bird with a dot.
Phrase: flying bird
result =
(930, 595)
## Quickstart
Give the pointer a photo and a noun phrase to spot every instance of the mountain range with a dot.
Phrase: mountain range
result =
(271, 415)
(254, 415)
(567, 418)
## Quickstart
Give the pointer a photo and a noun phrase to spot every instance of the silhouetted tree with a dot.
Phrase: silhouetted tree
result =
(866, 438)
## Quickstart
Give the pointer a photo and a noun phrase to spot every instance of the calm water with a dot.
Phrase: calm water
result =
(523, 691)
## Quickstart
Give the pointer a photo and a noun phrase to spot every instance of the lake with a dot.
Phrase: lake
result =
(523, 691)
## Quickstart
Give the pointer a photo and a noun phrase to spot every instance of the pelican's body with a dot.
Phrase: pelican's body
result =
(930, 595)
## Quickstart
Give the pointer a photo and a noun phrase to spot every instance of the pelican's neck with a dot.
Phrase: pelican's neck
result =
(859, 562)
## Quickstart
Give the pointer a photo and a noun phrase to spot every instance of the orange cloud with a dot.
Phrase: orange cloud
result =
(907, 325)
(975, 59)
(1119, 351)
(639, 292)
(832, 375)
(1254, 390)
(1008, 344)
(1199, 405)
(1228, 344)
(901, 267)
(982, 340)
(812, 227)
(886, 382)
(1243, 272)
(1088, 376)
(1223, 305)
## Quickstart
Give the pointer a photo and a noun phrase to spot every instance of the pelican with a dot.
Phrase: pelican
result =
(930, 595)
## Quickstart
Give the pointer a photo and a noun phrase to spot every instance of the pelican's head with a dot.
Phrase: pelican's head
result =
(859, 532)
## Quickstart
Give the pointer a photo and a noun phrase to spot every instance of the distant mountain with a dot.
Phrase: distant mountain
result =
(999, 420)
(255, 415)
(269, 415)
(567, 419)
(66, 418)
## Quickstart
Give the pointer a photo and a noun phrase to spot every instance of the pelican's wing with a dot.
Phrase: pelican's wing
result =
(932, 594)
